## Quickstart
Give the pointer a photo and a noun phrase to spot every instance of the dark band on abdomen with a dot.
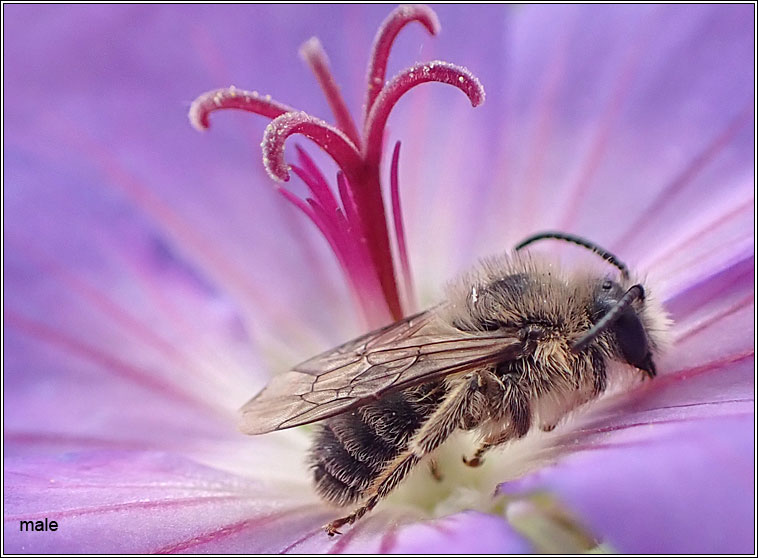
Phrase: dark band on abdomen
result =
(350, 450)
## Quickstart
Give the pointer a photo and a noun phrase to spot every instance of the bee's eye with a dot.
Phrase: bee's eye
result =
(632, 340)
(628, 329)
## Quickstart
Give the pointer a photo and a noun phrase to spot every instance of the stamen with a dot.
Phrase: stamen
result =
(388, 31)
(355, 224)
(328, 138)
(442, 72)
(359, 271)
(309, 211)
(358, 232)
(314, 55)
(351, 207)
(233, 98)
(397, 216)
(351, 257)
(334, 215)
(317, 183)
(368, 198)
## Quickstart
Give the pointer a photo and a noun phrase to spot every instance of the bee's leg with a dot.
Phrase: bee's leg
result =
(435, 470)
(476, 460)
(515, 403)
(429, 437)
(648, 367)
(501, 438)
(392, 476)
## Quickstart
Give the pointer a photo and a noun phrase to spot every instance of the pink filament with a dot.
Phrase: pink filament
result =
(368, 196)
(351, 207)
(318, 184)
(442, 72)
(388, 31)
(397, 216)
(309, 211)
(358, 232)
(234, 98)
(350, 255)
(314, 55)
(328, 138)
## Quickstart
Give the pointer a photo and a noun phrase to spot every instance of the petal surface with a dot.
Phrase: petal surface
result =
(671, 488)
(156, 279)
(154, 502)
(140, 502)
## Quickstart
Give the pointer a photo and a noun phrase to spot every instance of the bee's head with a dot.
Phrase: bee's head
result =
(617, 311)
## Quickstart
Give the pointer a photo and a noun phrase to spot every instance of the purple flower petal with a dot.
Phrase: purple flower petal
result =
(453, 535)
(152, 502)
(629, 115)
(144, 502)
(449, 535)
(112, 136)
(156, 279)
(93, 344)
(624, 492)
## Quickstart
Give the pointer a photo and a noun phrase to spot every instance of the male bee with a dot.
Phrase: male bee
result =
(516, 343)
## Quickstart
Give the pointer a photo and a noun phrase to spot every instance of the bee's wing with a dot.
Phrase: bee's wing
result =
(408, 352)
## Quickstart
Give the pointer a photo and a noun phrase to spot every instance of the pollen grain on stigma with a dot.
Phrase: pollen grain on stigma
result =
(354, 222)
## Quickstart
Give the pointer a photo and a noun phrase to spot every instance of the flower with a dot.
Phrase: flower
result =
(154, 280)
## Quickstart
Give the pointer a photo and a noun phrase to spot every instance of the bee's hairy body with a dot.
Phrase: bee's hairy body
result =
(353, 450)
(517, 343)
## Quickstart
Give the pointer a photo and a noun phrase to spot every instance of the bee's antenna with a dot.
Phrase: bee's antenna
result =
(635, 292)
(605, 254)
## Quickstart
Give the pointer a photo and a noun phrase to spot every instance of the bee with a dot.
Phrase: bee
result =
(517, 343)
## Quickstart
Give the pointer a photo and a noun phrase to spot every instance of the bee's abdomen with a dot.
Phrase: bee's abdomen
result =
(350, 450)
